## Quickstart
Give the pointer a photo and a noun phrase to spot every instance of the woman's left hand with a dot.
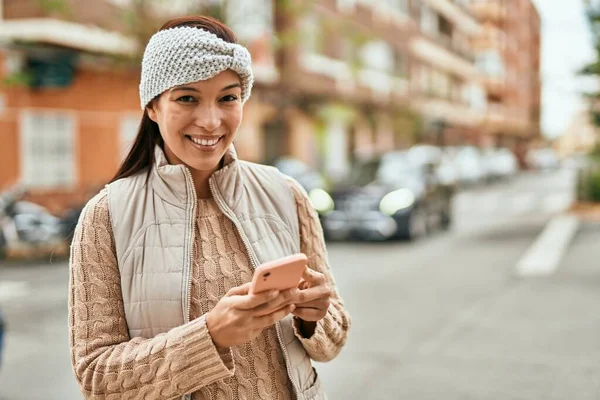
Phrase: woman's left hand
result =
(313, 300)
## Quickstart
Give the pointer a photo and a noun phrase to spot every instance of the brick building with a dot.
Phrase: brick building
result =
(508, 53)
(349, 78)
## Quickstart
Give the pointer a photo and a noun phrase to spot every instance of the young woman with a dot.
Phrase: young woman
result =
(162, 257)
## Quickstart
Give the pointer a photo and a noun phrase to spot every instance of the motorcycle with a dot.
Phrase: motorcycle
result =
(30, 228)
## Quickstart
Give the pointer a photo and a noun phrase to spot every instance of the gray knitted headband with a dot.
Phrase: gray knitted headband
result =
(183, 55)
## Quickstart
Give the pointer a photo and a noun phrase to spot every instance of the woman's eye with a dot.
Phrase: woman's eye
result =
(229, 98)
(186, 99)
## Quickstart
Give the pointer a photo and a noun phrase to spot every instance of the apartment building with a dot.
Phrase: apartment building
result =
(335, 80)
(379, 75)
(508, 53)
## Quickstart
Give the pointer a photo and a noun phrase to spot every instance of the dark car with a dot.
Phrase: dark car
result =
(386, 197)
(306, 176)
(310, 179)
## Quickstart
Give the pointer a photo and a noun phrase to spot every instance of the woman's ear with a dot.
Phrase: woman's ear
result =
(151, 108)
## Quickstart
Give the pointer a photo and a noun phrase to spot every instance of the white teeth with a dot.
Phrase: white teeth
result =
(204, 142)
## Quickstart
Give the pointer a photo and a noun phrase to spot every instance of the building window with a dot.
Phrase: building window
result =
(425, 79)
(378, 55)
(440, 84)
(444, 26)
(47, 149)
(429, 20)
(401, 63)
(128, 130)
(491, 63)
(311, 28)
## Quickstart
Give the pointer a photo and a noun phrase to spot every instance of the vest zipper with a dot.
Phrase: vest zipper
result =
(188, 271)
(191, 189)
(227, 211)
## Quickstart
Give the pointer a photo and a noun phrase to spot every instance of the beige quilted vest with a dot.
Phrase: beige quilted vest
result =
(153, 230)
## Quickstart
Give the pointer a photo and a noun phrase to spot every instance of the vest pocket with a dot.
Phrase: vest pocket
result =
(314, 391)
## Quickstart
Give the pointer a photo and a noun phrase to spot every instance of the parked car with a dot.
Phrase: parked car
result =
(306, 176)
(311, 180)
(386, 197)
(436, 159)
(467, 163)
(544, 159)
(499, 163)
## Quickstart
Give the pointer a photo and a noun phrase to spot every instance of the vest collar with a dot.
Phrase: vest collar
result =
(170, 182)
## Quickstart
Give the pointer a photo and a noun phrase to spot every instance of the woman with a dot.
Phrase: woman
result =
(162, 257)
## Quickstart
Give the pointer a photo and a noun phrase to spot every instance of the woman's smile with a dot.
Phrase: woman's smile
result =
(205, 143)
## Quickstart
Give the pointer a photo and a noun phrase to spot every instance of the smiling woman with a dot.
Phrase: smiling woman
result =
(162, 258)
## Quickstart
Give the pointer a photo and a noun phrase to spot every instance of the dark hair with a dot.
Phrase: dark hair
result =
(141, 155)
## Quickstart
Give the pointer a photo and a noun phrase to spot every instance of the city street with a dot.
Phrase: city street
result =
(446, 317)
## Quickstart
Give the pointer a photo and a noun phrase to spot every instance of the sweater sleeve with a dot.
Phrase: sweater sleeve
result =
(330, 334)
(107, 363)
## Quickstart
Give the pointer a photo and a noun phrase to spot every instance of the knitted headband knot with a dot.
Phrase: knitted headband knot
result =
(183, 55)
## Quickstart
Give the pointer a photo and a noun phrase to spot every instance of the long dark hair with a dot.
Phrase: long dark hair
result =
(141, 155)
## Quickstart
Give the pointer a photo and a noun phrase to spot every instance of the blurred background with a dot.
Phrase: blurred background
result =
(450, 147)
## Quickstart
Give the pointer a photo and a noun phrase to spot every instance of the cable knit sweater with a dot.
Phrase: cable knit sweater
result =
(108, 364)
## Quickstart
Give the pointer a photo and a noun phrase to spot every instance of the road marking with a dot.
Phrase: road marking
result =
(13, 289)
(545, 254)
(557, 202)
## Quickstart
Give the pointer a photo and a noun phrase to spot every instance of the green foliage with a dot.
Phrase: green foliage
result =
(588, 183)
(22, 78)
(594, 154)
(55, 7)
(588, 179)
(593, 69)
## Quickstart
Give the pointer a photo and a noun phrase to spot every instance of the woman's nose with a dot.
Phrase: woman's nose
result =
(208, 117)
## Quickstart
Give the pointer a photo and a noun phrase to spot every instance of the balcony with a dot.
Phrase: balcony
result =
(454, 113)
(68, 34)
(451, 45)
(489, 10)
(438, 56)
(459, 17)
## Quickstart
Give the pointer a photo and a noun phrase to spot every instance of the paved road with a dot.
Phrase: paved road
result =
(442, 318)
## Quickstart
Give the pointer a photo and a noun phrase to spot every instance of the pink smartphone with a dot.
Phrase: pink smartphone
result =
(281, 274)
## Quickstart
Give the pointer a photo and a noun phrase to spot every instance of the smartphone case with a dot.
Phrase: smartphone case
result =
(281, 274)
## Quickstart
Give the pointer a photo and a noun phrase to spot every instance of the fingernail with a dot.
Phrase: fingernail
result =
(292, 307)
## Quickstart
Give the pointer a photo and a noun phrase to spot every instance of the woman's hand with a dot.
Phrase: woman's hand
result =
(313, 300)
(239, 316)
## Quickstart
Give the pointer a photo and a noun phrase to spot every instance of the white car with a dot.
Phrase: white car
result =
(469, 164)
(500, 163)
(543, 159)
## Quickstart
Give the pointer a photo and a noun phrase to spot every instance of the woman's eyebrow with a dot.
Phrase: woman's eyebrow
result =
(233, 85)
(188, 88)
(193, 89)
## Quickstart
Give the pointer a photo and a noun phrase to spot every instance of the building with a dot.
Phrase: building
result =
(508, 53)
(580, 137)
(335, 80)
(371, 76)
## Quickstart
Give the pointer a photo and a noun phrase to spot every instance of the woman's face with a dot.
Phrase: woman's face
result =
(198, 121)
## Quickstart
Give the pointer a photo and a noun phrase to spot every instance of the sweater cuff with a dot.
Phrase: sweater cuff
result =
(298, 331)
(202, 357)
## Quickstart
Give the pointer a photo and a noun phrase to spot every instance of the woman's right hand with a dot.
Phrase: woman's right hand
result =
(240, 316)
